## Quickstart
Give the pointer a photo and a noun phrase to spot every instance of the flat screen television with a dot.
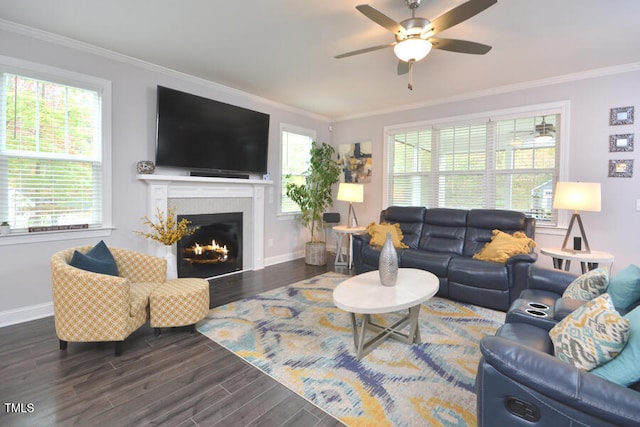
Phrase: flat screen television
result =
(209, 137)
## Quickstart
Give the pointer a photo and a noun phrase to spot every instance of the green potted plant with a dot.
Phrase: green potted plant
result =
(314, 196)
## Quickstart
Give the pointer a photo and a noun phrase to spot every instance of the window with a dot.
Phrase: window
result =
(499, 163)
(52, 166)
(295, 147)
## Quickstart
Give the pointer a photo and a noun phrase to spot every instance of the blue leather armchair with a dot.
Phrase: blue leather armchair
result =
(521, 383)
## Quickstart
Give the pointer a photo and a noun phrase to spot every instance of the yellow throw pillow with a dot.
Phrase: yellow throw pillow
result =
(378, 233)
(503, 245)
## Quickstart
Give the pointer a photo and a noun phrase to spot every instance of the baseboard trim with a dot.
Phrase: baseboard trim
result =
(25, 314)
(283, 258)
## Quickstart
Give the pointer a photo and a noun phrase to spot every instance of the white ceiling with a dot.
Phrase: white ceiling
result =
(283, 49)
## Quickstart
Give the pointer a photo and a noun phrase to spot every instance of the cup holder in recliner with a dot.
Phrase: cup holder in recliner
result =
(538, 305)
(537, 313)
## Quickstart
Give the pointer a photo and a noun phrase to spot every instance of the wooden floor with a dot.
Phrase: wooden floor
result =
(177, 379)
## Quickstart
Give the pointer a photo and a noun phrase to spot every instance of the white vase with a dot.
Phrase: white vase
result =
(172, 265)
(388, 263)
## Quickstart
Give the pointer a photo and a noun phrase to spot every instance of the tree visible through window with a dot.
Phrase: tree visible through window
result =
(50, 153)
(295, 147)
(498, 164)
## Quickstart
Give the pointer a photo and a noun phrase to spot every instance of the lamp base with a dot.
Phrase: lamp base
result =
(576, 217)
(355, 219)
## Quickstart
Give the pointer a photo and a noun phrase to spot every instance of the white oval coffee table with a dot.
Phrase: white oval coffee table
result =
(364, 294)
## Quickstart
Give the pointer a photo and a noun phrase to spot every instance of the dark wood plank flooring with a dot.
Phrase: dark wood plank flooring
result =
(176, 379)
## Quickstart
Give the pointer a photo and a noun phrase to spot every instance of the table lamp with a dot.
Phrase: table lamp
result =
(577, 196)
(348, 192)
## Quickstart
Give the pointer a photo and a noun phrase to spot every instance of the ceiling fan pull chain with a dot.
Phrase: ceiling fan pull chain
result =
(411, 62)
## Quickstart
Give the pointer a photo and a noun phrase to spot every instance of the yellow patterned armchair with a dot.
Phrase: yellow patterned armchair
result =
(92, 307)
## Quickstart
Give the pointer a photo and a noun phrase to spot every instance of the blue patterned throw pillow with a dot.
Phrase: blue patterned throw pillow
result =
(588, 286)
(592, 335)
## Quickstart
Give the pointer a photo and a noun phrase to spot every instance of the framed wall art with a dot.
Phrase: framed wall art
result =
(621, 116)
(356, 162)
(623, 142)
(620, 168)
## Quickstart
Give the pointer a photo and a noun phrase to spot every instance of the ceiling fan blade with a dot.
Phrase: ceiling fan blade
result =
(381, 19)
(365, 50)
(461, 46)
(403, 67)
(459, 14)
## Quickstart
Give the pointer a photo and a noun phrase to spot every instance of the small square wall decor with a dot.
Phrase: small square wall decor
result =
(620, 168)
(623, 142)
(621, 116)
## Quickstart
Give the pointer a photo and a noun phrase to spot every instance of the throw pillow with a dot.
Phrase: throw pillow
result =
(98, 260)
(378, 233)
(625, 369)
(592, 335)
(503, 245)
(588, 286)
(624, 287)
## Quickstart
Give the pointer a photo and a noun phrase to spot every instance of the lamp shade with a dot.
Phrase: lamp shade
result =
(348, 192)
(412, 49)
(577, 196)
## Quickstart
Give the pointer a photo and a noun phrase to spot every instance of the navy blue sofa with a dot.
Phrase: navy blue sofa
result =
(443, 242)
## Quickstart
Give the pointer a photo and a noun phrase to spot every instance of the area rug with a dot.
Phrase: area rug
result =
(299, 337)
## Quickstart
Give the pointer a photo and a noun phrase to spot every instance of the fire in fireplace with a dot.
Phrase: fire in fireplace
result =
(214, 248)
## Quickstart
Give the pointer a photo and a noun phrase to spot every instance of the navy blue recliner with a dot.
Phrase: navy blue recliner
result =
(521, 383)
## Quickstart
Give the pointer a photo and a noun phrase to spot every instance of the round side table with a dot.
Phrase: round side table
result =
(342, 231)
(588, 260)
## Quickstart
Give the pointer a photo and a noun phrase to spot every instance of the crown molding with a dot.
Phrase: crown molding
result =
(119, 57)
(500, 90)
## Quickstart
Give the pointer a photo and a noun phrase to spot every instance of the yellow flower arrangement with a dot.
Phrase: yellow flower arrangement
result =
(166, 230)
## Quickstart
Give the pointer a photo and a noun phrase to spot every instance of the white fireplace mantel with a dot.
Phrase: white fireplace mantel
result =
(162, 188)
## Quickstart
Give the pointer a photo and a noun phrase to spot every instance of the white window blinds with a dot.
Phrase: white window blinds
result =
(498, 164)
(50, 153)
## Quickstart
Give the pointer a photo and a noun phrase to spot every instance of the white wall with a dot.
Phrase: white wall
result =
(25, 287)
(25, 290)
(616, 229)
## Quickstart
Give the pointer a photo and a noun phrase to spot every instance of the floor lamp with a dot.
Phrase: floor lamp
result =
(577, 196)
(351, 193)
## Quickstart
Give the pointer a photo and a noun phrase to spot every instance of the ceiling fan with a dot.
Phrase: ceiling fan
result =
(415, 36)
(544, 132)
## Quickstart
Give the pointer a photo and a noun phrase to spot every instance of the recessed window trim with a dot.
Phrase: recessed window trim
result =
(559, 107)
(69, 78)
(309, 133)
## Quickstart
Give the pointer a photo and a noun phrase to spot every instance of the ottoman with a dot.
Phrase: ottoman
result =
(179, 302)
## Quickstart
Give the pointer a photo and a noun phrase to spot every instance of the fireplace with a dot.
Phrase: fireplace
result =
(214, 248)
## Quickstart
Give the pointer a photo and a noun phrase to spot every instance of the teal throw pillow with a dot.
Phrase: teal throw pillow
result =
(588, 286)
(625, 368)
(624, 287)
(98, 260)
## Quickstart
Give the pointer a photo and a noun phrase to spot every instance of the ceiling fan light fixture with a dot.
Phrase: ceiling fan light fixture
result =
(543, 138)
(544, 132)
(412, 49)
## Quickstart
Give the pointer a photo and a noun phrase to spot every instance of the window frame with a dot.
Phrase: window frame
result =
(65, 77)
(559, 107)
(309, 133)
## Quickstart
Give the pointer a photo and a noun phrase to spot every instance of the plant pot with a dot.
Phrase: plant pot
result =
(315, 253)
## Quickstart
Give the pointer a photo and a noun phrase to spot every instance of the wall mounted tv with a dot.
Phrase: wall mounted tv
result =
(209, 137)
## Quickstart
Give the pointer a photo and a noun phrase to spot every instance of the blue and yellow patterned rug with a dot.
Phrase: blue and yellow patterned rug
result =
(296, 335)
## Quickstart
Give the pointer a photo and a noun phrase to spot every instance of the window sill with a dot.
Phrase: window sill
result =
(551, 231)
(18, 238)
